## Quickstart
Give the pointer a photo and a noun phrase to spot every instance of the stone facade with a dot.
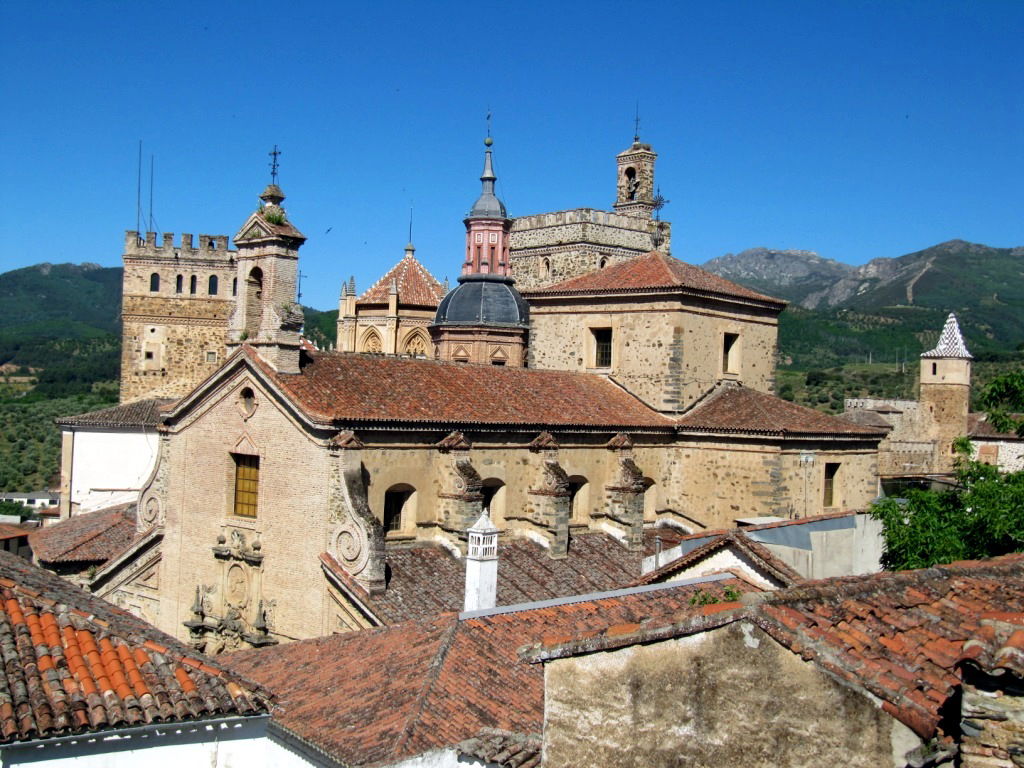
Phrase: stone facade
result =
(176, 300)
(689, 701)
(666, 350)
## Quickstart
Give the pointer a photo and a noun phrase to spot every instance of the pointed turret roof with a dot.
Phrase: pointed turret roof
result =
(415, 285)
(951, 342)
(487, 206)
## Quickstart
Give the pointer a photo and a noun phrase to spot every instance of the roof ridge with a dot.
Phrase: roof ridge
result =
(405, 735)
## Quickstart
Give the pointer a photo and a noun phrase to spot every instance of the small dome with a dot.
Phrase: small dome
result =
(487, 206)
(484, 300)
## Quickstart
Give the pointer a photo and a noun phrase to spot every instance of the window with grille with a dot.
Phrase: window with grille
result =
(602, 347)
(247, 484)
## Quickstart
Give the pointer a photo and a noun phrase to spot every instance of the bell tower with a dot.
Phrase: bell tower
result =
(636, 180)
(267, 317)
(487, 227)
(946, 392)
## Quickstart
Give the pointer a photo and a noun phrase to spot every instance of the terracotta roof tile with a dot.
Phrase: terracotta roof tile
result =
(93, 537)
(734, 408)
(416, 286)
(8, 531)
(344, 387)
(997, 646)
(900, 635)
(503, 748)
(978, 426)
(74, 663)
(655, 271)
(440, 681)
(141, 413)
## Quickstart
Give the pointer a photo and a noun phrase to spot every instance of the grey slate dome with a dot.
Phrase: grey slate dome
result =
(489, 300)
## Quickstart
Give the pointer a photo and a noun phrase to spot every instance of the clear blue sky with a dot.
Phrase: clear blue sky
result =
(855, 129)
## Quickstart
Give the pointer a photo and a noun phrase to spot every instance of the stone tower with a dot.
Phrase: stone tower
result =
(176, 301)
(549, 248)
(946, 392)
(636, 180)
(484, 320)
(266, 315)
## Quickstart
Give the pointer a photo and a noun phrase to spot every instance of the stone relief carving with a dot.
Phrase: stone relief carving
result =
(356, 537)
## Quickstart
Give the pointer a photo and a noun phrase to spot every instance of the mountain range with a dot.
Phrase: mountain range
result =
(888, 307)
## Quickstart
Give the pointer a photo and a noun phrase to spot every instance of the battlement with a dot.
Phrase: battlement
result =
(210, 246)
(580, 216)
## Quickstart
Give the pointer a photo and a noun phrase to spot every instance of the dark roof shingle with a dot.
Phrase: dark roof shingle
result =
(141, 413)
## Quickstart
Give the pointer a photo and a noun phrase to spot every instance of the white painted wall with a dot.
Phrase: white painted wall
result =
(725, 560)
(109, 467)
(239, 743)
(440, 758)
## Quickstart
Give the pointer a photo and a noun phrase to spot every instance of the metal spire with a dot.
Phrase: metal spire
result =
(636, 123)
(274, 164)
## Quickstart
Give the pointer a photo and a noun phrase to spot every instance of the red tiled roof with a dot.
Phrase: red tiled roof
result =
(427, 580)
(655, 271)
(998, 645)
(93, 537)
(416, 286)
(8, 531)
(761, 559)
(898, 635)
(141, 413)
(734, 408)
(73, 663)
(508, 750)
(352, 388)
(435, 682)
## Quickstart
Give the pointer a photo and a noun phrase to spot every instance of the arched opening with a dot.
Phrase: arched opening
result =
(179, 284)
(253, 301)
(493, 491)
(632, 185)
(234, 286)
(211, 287)
(154, 282)
(545, 268)
(371, 343)
(193, 283)
(416, 345)
(602, 262)
(579, 498)
(399, 510)
(247, 398)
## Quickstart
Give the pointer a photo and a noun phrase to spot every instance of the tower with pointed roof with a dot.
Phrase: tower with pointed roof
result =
(946, 391)
(267, 316)
(391, 317)
(484, 320)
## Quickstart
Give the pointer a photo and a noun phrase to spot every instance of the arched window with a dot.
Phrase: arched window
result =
(493, 491)
(398, 507)
(192, 283)
(650, 500)
(212, 286)
(545, 268)
(632, 185)
(372, 344)
(179, 284)
(416, 345)
(579, 498)
(602, 262)
(154, 282)
(253, 299)
(234, 286)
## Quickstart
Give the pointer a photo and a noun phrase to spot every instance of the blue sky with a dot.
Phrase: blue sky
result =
(855, 129)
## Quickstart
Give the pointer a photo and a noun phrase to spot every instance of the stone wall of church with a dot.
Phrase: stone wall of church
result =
(547, 248)
(237, 562)
(666, 352)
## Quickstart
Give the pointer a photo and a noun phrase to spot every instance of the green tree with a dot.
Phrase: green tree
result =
(1003, 400)
(982, 517)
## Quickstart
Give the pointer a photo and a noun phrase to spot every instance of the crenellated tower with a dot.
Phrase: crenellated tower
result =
(267, 316)
(175, 303)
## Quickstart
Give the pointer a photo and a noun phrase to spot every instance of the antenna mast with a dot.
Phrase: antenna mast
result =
(151, 163)
(138, 194)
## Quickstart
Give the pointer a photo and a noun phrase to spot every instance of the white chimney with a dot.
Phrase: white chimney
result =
(482, 565)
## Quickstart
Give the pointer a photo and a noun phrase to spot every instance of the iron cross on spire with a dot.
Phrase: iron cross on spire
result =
(636, 123)
(274, 164)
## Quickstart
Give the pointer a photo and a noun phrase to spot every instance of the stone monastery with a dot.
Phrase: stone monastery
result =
(581, 394)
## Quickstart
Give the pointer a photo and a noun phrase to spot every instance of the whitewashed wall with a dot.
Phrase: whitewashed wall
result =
(108, 467)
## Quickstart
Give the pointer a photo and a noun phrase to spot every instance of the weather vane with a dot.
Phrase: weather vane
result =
(273, 164)
(488, 122)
